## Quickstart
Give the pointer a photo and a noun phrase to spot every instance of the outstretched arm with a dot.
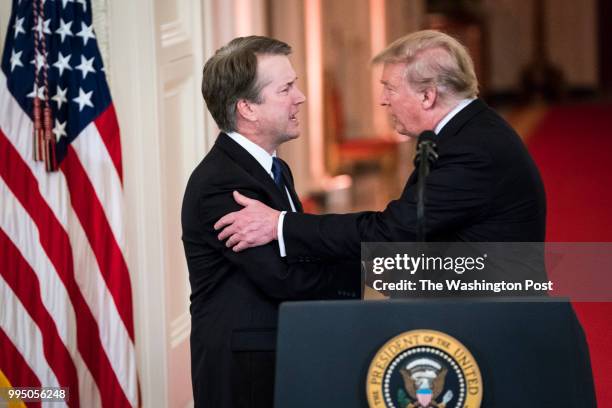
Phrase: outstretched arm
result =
(277, 277)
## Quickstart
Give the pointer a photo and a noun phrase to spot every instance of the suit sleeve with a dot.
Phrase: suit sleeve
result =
(458, 189)
(300, 278)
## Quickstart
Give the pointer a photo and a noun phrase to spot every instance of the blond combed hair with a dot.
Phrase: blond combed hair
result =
(434, 59)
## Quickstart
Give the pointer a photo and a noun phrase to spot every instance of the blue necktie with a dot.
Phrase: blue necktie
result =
(276, 172)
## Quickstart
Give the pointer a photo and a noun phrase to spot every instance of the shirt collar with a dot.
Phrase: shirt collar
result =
(262, 156)
(462, 104)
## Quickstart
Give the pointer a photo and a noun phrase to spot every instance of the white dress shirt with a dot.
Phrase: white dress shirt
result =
(265, 160)
(462, 104)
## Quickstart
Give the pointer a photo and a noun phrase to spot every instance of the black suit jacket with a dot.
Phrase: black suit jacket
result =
(235, 296)
(483, 187)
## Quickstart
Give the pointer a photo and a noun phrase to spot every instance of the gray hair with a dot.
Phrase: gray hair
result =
(434, 59)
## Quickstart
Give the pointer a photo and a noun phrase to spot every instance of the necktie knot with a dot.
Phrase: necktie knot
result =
(276, 171)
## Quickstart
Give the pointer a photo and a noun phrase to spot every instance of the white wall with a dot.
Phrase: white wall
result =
(135, 89)
(157, 50)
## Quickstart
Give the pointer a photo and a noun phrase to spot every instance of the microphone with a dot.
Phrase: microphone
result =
(426, 155)
(426, 147)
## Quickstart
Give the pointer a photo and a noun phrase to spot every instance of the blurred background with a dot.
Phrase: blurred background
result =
(546, 65)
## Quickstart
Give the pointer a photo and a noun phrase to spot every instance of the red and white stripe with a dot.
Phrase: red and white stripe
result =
(64, 284)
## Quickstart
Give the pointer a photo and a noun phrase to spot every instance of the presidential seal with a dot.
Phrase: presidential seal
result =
(424, 369)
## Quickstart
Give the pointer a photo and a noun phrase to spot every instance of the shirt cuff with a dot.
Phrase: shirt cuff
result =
(279, 232)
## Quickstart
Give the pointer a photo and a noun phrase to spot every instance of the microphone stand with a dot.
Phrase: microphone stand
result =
(426, 155)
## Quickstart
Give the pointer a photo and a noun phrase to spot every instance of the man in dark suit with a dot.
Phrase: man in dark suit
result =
(483, 187)
(250, 89)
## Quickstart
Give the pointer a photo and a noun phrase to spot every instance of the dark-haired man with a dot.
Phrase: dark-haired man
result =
(250, 89)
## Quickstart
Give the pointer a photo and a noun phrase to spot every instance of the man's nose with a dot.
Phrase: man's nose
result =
(299, 98)
(383, 99)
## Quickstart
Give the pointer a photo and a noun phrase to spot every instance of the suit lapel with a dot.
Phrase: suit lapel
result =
(288, 180)
(252, 166)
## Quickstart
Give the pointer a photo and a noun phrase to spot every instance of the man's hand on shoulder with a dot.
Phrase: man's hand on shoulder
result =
(254, 225)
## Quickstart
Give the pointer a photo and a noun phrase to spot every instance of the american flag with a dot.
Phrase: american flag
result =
(65, 295)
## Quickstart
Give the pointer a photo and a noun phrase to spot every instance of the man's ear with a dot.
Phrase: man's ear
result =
(246, 110)
(429, 97)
